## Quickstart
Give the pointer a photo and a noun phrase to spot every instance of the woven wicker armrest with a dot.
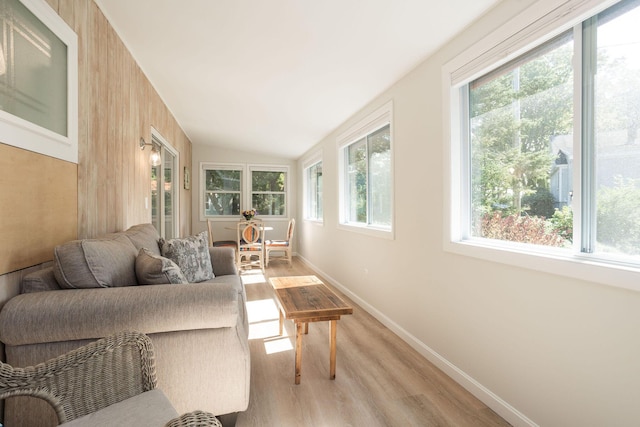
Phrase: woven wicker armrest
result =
(87, 379)
(194, 419)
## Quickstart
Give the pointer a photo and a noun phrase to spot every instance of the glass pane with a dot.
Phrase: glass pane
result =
(33, 69)
(267, 181)
(380, 177)
(227, 180)
(520, 127)
(617, 140)
(268, 204)
(357, 182)
(169, 195)
(155, 201)
(222, 204)
(314, 196)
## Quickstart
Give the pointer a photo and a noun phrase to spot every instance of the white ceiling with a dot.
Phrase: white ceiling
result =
(277, 76)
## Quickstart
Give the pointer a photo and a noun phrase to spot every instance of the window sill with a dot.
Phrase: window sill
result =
(368, 230)
(582, 267)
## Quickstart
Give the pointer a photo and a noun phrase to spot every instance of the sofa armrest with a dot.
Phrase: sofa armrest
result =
(223, 260)
(76, 314)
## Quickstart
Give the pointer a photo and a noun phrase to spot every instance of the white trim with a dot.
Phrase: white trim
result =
(24, 134)
(492, 400)
(542, 21)
(373, 121)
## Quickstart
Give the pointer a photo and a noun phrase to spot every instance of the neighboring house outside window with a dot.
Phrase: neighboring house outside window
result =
(545, 154)
(366, 175)
(313, 189)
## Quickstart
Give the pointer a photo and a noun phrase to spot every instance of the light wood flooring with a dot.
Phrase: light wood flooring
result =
(380, 379)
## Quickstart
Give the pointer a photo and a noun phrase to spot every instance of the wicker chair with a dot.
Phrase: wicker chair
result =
(93, 377)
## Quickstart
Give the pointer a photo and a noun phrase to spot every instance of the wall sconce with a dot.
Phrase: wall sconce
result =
(155, 157)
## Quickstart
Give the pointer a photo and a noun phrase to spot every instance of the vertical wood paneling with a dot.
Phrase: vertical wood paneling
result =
(117, 106)
(82, 25)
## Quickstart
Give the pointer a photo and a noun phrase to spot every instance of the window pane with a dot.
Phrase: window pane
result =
(314, 191)
(380, 177)
(520, 126)
(357, 181)
(227, 180)
(267, 181)
(268, 204)
(33, 69)
(617, 112)
(222, 204)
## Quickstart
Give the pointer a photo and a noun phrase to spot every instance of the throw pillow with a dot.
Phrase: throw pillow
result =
(152, 269)
(192, 256)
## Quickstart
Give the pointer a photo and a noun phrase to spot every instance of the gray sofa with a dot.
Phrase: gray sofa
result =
(199, 330)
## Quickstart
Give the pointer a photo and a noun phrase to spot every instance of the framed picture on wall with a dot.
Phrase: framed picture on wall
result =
(187, 179)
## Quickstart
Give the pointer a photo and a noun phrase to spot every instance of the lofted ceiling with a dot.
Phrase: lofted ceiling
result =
(277, 76)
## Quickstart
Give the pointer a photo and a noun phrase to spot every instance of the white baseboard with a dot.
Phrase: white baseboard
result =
(502, 408)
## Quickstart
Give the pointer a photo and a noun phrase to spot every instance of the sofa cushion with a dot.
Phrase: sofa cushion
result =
(192, 256)
(144, 236)
(154, 269)
(94, 263)
(148, 409)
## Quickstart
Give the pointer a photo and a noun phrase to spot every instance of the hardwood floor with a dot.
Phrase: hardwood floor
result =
(380, 380)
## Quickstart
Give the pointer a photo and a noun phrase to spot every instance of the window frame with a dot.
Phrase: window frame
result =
(315, 160)
(21, 133)
(204, 167)
(535, 25)
(248, 200)
(374, 121)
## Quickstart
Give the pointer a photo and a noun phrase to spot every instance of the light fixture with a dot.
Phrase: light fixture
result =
(155, 158)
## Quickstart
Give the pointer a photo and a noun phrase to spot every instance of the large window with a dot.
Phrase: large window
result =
(222, 190)
(545, 147)
(366, 182)
(228, 189)
(269, 191)
(38, 80)
(313, 190)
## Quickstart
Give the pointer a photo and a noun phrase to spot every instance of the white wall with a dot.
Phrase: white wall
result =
(205, 153)
(538, 348)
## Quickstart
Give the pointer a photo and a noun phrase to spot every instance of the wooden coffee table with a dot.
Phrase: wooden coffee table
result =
(305, 299)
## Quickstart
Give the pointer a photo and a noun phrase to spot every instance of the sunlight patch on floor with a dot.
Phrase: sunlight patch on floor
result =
(277, 345)
(264, 318)
(250, 277)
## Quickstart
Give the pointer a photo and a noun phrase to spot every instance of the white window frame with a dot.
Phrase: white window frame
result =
(24, 134)
(539, 23)
(204, 166)
(249, 190)
(245, 188)
(310, 162)
(377, 119)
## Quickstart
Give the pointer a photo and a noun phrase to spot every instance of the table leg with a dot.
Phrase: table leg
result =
(281, 324)
(298, 351)
(306, 328)
(333, 329)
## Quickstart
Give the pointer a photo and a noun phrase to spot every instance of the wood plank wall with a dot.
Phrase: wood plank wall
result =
(117, 106)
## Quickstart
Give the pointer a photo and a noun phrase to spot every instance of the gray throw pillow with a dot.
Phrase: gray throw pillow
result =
(192, 256)
(152, 269)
